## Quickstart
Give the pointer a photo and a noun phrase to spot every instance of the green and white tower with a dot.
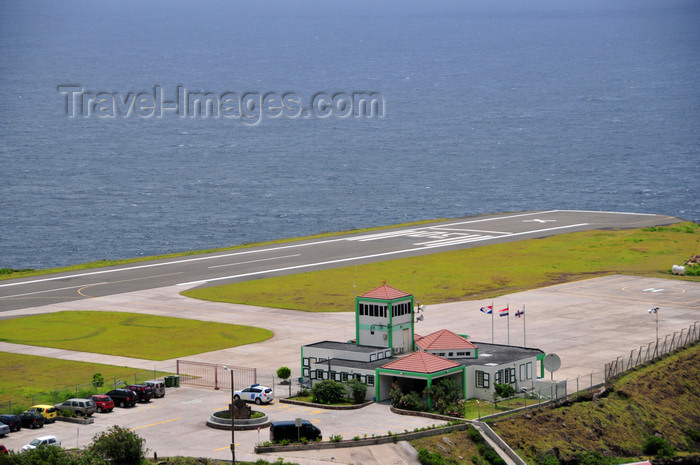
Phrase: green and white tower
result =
(384, 318)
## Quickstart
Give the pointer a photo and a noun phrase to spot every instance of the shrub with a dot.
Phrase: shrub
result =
(474, 435)
(358, 390)
(425, 457)
(411, 401)
(119, 446)
(658, 446)
(502, 391)
(336, 438)
(447, 397)
(327, 392)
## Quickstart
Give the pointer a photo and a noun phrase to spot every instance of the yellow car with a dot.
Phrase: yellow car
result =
(48, 411)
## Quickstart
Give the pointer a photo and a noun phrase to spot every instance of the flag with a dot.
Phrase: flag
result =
(488, 310)
(503, 312)
(520, 313)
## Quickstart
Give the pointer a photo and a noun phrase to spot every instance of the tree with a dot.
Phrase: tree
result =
(97, 380)
(119, 446)
(502, 391)
(284, 373)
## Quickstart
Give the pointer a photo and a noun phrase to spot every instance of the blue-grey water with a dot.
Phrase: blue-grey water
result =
(488, 106)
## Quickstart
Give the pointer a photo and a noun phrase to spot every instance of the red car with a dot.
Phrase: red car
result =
(3, 450)
(103, 402)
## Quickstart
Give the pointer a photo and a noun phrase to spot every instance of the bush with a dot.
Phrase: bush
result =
(658, 446)
(358, 390)
(411, 401)
(425, 457)
(336, 438)
(119, 446)
(327, 392)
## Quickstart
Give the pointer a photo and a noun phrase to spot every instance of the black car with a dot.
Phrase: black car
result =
(32, 419)
(145, 392)
(123, 397)
(13, 421)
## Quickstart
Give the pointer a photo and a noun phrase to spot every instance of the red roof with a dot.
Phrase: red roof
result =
(421, 362)
(444, 340)
(385, 292)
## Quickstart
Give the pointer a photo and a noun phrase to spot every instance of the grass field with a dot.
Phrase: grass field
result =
(126, 334)
(27, 377)
(476, 273)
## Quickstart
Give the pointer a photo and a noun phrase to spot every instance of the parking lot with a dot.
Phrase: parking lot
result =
(176, 424)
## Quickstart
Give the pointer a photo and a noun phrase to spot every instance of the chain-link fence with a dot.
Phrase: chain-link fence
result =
(19, 403)
(652, 351)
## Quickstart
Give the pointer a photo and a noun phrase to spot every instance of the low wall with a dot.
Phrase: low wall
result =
(324, 406)
(239, 425)
(260, 449)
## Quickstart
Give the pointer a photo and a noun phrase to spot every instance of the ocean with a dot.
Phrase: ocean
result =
(139, 128)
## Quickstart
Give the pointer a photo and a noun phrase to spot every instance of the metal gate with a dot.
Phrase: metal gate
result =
(215, 375)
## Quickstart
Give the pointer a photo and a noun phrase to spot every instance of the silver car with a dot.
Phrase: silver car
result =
(4, 429)
(78, 406)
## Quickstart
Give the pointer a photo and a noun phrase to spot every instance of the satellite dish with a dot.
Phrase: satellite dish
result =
(551, 362)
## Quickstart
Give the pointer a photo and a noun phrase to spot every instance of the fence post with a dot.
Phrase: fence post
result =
(216, 378)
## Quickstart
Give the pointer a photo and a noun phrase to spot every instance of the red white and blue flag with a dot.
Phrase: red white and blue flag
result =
(520, 313)
(503, 312)
(488, 310)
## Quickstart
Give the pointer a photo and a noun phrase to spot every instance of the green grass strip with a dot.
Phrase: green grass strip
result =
(476, 273)
(127, 334)
(28, 376)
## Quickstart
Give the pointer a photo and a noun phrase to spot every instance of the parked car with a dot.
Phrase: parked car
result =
(103, 403)
(49, 411)
(123, 397)
(144, 392)
(255, 393)
(4, 429)
(158, 387)
(78, 406)
(3, 450)
(13, 421)
(32, 419)
(43, 441)
(281, 430)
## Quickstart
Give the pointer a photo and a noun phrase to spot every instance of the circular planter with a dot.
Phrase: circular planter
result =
(217, 420)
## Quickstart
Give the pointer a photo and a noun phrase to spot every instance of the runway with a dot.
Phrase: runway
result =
(309, 255)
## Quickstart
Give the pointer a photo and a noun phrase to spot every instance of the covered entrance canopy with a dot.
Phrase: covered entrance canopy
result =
(416, 371)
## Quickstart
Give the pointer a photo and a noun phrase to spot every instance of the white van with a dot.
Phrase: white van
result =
(158, 387)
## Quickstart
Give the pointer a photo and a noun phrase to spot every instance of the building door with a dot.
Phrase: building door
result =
(406, 340)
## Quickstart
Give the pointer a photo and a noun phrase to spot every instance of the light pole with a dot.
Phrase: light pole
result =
(655, 310)
(230, 413)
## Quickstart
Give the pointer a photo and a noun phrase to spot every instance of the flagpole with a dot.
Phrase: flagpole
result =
(508, 318)
(492, 311)
(524, 332)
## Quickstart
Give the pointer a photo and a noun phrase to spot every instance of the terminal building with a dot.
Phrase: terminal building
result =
(387, 350)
